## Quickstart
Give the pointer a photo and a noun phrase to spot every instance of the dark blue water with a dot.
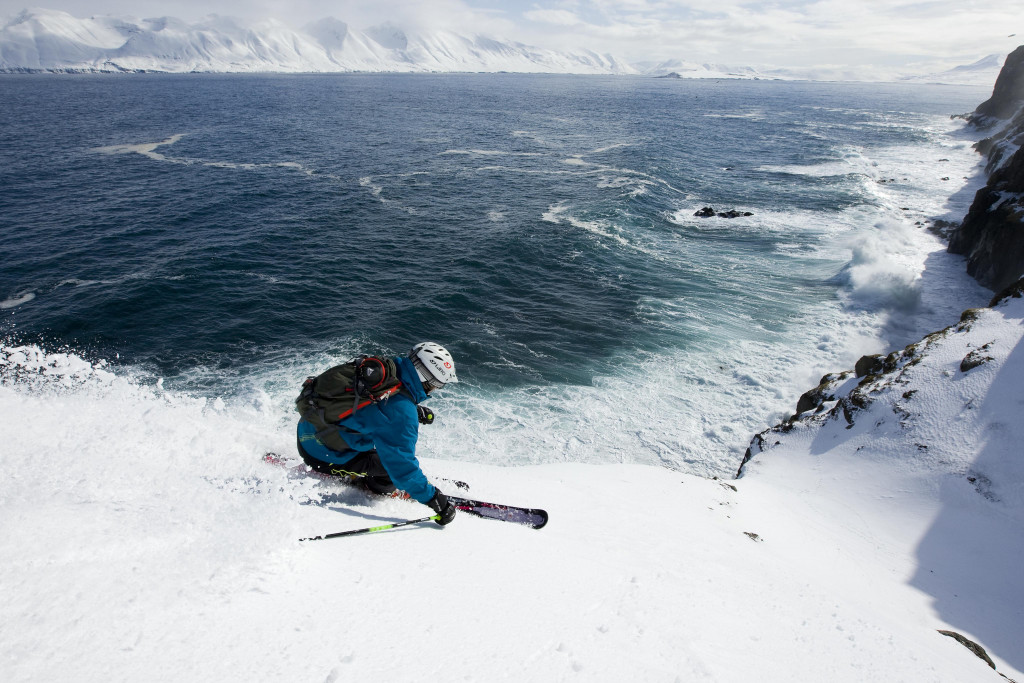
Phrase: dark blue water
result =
(539, 226)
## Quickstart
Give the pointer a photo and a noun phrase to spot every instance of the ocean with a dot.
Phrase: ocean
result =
(178, 252)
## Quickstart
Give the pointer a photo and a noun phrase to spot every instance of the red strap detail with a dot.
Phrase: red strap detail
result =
(390, 392)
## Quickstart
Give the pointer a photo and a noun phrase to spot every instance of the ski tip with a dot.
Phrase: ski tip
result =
(531, 517)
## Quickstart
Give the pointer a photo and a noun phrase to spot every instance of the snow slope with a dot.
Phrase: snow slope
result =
(144, 540)
(50, 40)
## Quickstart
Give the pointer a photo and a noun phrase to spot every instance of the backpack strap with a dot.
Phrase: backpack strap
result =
(372, 399)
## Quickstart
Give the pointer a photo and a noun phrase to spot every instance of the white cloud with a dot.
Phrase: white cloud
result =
(787, 33)
(558, 17)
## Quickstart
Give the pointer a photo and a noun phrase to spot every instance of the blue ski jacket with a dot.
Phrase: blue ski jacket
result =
(390, 426)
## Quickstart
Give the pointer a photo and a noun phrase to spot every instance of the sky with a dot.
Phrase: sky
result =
(783, 33)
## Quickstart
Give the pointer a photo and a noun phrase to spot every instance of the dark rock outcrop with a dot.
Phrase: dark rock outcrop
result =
(709, 212)
(975, 358)
(1008, 93)
(992, 234)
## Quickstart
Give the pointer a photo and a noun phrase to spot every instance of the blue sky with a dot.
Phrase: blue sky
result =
(787, 33)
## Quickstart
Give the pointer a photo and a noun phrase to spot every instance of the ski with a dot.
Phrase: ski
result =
(532, 517)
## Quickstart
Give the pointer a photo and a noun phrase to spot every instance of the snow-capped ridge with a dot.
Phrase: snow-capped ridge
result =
(55, 41)
(52, 40)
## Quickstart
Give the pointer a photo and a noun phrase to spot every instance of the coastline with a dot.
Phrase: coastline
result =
(990, 236)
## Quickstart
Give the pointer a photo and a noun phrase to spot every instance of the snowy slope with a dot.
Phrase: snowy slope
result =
(143, 540)
(50, 40)
(981, 72)
(923, 456)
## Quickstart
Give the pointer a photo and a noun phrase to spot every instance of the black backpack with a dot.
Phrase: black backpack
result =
(333, 395)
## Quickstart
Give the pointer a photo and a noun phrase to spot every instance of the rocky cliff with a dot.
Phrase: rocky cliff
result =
(992, 238)
(992, 233)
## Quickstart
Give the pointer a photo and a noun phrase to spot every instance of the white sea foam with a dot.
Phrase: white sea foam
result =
(75, 282)
(534, 137)
(561, 213)
(554, 212)
(148, 150)
(851, 160)
(608, 148)
(17, 300)
(635, 186)
(602, 229)
(885, 270)
(375, 189)
(749, 116)
(490, 153)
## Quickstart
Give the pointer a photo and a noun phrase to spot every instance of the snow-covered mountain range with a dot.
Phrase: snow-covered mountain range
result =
(50, 40)
(55, 41)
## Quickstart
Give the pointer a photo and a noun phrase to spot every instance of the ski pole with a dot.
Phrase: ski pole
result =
(370, 530)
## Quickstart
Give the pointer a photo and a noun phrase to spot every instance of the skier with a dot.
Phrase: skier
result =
(378, 441)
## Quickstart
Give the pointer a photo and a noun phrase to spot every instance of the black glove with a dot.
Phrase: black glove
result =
(442, 506)
(425, 414)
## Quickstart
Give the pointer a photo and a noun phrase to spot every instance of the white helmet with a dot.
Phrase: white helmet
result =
(433, 364)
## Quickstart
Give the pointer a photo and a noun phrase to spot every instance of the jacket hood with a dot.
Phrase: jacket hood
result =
(410, 379)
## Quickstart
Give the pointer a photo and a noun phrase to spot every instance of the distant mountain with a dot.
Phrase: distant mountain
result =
(678, 68)
(50, 40)
(981, 72)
